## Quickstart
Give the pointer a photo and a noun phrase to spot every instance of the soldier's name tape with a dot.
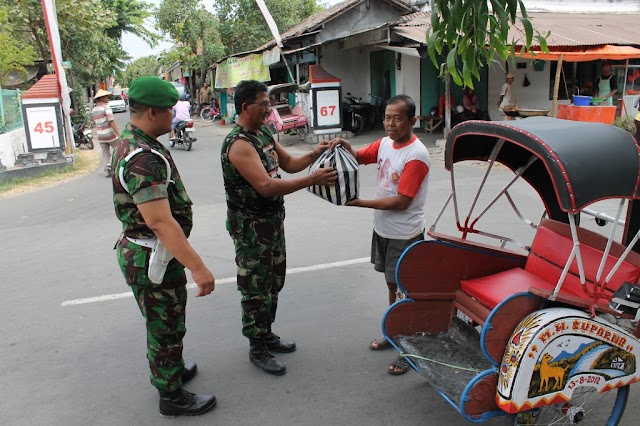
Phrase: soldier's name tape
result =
(311, 268)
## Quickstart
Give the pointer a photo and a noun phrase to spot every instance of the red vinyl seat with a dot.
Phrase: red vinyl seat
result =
(493, 289)
(550, 250)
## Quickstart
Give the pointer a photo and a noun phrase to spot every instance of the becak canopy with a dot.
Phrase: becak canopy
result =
(583, 53)
(577, 163)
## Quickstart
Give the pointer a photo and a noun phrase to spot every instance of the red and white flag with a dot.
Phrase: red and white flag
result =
(51, 24)
(270, 22)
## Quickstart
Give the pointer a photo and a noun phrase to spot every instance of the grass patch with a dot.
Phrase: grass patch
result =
(87, 161)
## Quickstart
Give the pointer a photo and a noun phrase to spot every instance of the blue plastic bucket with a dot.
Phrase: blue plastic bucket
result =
(581, 100)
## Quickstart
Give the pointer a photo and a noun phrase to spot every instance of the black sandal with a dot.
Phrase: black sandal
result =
(379, 344)
(400, 363)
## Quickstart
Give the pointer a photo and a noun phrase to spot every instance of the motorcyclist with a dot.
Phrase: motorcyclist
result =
(181, 112)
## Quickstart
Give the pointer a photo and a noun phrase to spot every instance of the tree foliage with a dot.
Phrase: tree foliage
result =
(195, 29)
(470, 33)
(129, 16)
(15, 53)
(242, 26)
(90, 32)
(147, 65)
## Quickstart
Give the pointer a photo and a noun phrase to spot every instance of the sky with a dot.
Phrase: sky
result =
(137, 48)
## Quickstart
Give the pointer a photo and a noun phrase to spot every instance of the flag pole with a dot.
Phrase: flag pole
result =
(276, 34)
(286, 64)
(53, 34)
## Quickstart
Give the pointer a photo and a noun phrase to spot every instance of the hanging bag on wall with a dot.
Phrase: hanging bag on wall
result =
(347, 186)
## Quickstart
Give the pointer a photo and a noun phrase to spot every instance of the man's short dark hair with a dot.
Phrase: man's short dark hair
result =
(405, 99)
(136, 108)
(246, 92)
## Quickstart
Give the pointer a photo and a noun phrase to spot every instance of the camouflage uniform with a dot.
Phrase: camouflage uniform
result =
(256, 225)
(162, 305)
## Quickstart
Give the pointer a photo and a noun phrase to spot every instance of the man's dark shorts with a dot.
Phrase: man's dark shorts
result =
(385, 253)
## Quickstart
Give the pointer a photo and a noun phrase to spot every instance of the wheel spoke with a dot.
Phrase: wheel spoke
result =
(586, 406)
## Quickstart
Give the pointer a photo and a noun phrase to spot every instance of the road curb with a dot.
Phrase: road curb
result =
(33, 170)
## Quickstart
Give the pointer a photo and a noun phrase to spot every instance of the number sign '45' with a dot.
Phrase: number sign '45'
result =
(44, 131)
(44, 127)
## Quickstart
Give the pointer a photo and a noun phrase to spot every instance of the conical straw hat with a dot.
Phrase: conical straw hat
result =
(101, 93)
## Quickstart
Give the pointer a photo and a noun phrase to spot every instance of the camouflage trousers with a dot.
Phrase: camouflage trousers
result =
(163, 307)
(262, 264)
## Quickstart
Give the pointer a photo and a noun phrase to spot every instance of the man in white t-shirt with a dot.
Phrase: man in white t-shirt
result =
(401, 193)
(181, 112)
(506, 94)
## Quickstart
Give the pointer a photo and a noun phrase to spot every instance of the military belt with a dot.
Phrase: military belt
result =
(144, 242)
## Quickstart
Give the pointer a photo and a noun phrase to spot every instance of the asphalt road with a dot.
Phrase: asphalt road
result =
(73, 341)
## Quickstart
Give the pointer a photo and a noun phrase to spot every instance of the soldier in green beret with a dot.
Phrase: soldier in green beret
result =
(251, 162)
(154, 208)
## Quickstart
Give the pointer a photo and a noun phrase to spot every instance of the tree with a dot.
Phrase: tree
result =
(129, 16)
(195, 29)
(15, 53)
(236, 26)
(75, 19)
(470, 33)
(90, 32)
(242, 26)
(147, 65)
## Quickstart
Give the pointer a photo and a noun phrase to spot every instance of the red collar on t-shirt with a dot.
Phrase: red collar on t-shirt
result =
(395, 146)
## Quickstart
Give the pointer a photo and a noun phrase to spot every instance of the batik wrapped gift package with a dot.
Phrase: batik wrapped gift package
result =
(347, 186)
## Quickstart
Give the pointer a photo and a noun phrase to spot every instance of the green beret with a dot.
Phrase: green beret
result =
(153, 92)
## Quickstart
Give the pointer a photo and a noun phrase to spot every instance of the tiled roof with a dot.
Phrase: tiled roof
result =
(586, 29)
(317, 74)
(320, 18)
(315, 22)
(567, 29)
(46, 87)
(414, 26)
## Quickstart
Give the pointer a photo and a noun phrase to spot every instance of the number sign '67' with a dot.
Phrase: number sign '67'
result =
(43, 127)
(328, 110)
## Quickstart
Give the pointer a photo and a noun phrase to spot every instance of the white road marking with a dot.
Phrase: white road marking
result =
(318, 267)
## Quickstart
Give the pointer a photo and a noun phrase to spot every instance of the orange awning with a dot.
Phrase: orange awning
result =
(584, 53)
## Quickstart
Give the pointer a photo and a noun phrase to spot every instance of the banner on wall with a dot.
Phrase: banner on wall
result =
(232, 71)
(270, 57)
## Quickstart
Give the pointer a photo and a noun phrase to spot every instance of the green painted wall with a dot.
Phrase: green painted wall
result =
(223, 103)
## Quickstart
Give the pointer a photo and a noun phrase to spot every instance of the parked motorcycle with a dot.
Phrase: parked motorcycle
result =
(185, 135)
(352, 120)
(369, 112)
(82, 136)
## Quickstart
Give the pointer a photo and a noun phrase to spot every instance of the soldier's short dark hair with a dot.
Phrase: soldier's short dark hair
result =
(135, 108)
(246, 92)
(405, 99)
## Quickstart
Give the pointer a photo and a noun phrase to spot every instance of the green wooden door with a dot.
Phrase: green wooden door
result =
(383, 73)
(429, 83)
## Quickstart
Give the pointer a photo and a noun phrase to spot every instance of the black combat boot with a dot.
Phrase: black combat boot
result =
(276, 344)
(183, 403)
(260, 356)
(189, 371)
